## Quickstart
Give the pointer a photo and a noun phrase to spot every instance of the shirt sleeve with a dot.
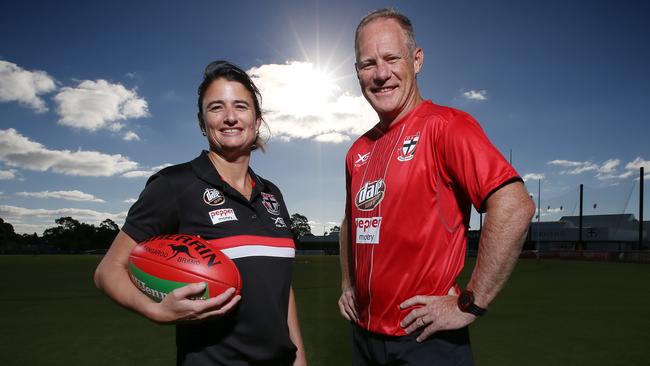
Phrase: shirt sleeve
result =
(474, 165)
(154, 213)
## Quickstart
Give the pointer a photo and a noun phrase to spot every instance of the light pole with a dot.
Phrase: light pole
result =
(539, 207)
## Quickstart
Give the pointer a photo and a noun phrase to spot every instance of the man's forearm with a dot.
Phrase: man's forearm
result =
(509, 211)
(345, 255)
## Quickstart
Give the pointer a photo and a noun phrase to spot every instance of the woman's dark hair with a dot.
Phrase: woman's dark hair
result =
(231, 72)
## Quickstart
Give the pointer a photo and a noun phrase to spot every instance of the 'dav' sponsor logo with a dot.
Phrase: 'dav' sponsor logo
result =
(213, 197)
(370, 195)
(367, 230)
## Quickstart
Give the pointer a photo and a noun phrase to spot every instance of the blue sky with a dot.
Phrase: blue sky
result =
(95, 97)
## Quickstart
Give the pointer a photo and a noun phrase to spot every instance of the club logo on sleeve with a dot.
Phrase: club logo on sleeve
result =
(222, 215)
(361, 159)
(407, 150)
(367, 230)
(270, 203)
(370, 195)
(213, 197)
(279, 222)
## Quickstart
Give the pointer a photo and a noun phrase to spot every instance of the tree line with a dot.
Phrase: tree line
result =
(69, 235)
(72, 236)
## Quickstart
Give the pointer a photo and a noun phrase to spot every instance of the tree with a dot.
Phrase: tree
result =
(106, 232)
(334, 229)
(71, 235)
(7, 233)
(67, 223)
(299, 225)
(110, 225)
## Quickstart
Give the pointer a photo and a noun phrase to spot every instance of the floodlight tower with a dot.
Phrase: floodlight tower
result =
(580, 221)
(641, 209)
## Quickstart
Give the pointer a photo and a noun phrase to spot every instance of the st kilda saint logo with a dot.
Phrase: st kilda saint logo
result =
(213, 197)
(407, 150)
(270, 203)
(370, 195)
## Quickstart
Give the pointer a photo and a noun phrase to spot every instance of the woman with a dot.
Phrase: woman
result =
(219, 197)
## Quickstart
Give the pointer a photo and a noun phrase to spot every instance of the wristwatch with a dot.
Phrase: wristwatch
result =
(466, 304)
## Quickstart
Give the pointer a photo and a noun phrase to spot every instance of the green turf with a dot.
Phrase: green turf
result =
(551, 313)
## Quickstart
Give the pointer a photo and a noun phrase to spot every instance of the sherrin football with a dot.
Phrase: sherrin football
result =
(163, 263)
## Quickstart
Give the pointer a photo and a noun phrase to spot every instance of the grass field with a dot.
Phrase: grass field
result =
(551, 313)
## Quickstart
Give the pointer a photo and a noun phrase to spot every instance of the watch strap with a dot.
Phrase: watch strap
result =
(466, 304)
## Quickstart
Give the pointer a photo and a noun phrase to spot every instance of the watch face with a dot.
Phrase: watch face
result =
(465, 300)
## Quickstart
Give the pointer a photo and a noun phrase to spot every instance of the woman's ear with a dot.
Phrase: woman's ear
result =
(201, 123)
(258, 123)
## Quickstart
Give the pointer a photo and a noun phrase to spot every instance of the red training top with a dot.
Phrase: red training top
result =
(409, 191)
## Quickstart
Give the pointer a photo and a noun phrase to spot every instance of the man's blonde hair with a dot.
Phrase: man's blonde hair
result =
(387, 13)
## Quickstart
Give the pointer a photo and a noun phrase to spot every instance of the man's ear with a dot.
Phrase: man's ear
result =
(418, 59)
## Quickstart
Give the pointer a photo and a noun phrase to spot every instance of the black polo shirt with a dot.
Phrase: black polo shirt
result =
(191, 198)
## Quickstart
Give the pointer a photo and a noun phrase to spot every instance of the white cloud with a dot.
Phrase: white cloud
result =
(301, 102)
(131, 136)
(609, 166)
(533, 176)
(95, 105)
(22, 228)
(610, 176)
(333, 137)
(16, 215)
(476, 95)
(17, 150)
(566, 163)
(74, 195)
(24, 87)
(7, 174)
(144, 173)
(637, 163)
(578, 167)
(130, 200)
(607, 171)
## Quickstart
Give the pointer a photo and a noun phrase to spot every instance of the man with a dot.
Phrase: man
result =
(410, 182)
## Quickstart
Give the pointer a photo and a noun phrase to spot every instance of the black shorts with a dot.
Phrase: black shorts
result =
(449, 347)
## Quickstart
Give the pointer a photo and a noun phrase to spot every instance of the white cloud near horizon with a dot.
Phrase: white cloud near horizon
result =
(23, 86)
(608, 170)
(15, 215)
(575, 167)
(130, 200)
(533, 176)
(19, 151)
(73, 195)
(636, 164)
(145, 173)
(301, 102)
(478, 95)
(96, 105)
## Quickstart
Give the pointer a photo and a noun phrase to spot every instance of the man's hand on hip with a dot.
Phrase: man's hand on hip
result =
(435, 313)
